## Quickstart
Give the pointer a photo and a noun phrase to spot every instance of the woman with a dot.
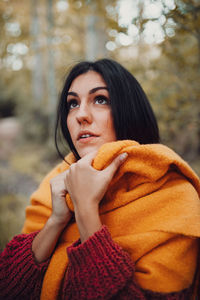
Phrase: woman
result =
(119, 218)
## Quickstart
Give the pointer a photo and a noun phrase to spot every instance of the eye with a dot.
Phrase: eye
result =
(72, 104)
(101, 100)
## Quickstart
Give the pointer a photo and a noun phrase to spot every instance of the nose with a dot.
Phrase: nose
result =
(84, 113)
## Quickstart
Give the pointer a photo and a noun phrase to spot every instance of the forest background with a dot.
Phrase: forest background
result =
(157, 40)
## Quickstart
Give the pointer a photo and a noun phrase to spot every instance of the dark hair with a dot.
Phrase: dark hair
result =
(133, 116)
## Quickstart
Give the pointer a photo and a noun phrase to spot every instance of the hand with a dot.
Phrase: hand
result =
(45, 242)
(87, 187)
(60, 211)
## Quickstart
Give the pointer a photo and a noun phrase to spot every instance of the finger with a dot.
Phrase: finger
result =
(112, 168)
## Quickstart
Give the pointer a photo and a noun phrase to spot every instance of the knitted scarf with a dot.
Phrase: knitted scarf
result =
(151, 209)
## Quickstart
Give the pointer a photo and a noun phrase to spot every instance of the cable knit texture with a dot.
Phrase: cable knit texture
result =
(20, 275)
(151, 209)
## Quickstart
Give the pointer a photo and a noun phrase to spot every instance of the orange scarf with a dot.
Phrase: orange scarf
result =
(151, 208)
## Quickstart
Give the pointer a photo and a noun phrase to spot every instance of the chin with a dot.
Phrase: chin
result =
(84, 152)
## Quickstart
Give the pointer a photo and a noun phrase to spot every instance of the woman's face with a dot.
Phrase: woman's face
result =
(89, 119)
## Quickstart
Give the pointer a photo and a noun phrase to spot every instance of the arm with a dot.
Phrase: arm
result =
(100, 269)
(20, 275)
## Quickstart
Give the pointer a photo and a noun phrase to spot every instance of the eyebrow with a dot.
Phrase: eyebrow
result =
(92, 91)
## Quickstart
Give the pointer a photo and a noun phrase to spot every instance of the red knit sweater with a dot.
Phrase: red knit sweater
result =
(20, 275)
(98, 269)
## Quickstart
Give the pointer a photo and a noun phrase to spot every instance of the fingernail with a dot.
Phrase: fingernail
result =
(123, 156)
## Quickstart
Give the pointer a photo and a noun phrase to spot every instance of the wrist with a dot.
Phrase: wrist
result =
(88, 221)
(86, 213)
(56, 223)
(45, 241)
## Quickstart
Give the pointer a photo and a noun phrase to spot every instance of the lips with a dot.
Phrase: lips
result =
(86, 134)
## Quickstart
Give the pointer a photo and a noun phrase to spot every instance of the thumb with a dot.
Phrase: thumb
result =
(112, 168)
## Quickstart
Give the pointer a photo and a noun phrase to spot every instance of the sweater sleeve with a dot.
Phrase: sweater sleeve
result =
(20, 275)
(100, 269)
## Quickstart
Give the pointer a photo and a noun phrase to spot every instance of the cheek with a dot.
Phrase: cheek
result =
(109, 127)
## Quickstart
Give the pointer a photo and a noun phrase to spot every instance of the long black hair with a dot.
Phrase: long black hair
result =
(133, 116)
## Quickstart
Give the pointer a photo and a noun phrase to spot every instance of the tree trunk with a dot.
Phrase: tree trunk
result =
(51, 85)
(37, 71)
(95, 35)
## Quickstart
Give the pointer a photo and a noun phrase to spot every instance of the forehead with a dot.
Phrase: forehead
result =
(87, 81)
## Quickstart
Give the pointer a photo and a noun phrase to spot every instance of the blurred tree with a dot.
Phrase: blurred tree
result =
(95, 37)
(37, 69)
(51, 84)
